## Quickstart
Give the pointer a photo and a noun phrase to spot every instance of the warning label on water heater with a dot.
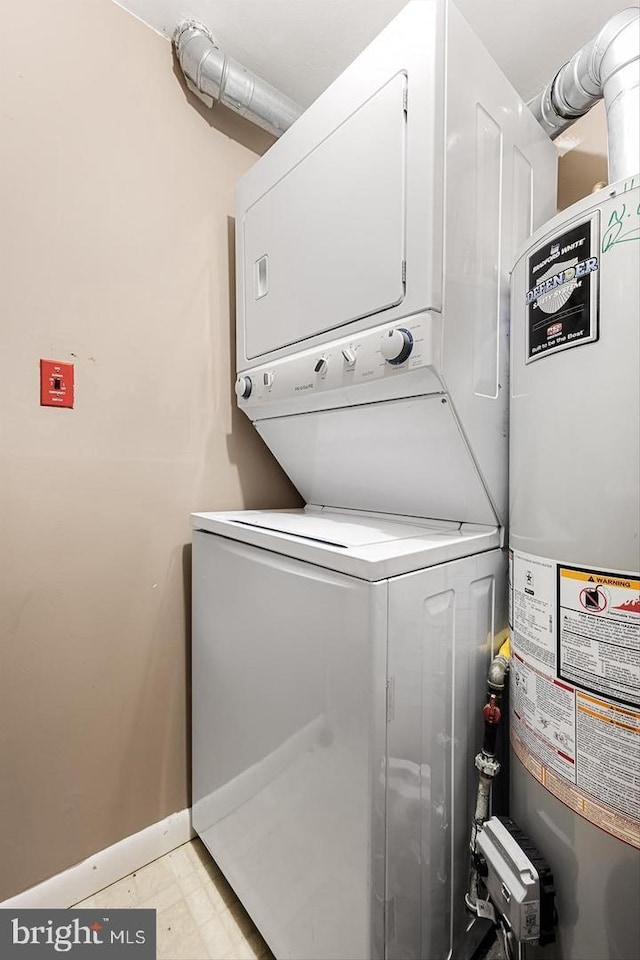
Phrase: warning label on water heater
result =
(598, 632)
(575, 687)
(562, 293)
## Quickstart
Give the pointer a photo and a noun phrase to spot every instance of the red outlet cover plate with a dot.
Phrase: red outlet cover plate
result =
(56, 384)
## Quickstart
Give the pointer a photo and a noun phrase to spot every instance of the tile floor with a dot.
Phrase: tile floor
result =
(199, 916)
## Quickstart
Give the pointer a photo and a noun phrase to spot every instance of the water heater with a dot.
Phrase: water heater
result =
(575, 586)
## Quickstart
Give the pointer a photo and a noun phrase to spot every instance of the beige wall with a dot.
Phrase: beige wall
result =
(585, 164)
(116, 196)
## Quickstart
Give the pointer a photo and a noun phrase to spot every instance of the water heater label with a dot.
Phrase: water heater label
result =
(599, 632)
(575, 687)
(561, 302)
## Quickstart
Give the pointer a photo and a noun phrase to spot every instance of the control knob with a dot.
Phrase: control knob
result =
(396, 345)
(243, 388)
(349, 357)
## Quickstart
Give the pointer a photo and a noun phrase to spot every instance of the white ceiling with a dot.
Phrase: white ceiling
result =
(300, 46)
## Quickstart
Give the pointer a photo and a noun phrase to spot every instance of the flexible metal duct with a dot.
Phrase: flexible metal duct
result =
(608, 66)
(212, 75)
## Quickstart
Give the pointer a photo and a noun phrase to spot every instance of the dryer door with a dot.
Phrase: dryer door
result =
(325, 244)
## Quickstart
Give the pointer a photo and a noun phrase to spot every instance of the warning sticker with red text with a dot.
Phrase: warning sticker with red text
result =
(575, 687)
(599, 632)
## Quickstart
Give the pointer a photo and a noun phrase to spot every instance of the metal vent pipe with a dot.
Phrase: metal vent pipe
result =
(212, 75)
(607, 66)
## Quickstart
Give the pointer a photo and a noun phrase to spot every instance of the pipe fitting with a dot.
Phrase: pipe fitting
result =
(608, 67)
(213, 76)
(496, 675)
(486, 763)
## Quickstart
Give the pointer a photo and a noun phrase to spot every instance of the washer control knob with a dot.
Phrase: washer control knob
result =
(349, 357)
(396, 345)
(321, 366)
(243, 388)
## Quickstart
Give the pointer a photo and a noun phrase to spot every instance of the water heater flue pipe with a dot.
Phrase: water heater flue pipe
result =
(212, 75)
(607, 66)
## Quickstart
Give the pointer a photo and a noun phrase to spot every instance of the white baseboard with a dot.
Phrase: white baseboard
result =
(105, 867)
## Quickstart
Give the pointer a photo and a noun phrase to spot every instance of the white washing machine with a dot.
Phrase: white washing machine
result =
(339, 663)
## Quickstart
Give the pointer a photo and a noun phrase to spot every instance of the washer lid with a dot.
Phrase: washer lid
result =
(364, 545)
(334, 529)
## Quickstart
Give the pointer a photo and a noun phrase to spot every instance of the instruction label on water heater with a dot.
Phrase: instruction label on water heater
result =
(575, 687)
(599, 632)
(562, 292)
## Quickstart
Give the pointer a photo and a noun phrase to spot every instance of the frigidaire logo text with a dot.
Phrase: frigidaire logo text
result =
(64, 937)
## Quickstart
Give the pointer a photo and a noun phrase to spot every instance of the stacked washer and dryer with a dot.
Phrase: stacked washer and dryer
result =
(340, 651)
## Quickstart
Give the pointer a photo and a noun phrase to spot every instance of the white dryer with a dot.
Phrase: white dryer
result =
(394, 206)
(339, 664)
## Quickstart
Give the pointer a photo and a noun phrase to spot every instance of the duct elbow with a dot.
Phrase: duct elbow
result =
(617, 44)
(620, 70)
(608, 67)
(193, 44)
(213, 76)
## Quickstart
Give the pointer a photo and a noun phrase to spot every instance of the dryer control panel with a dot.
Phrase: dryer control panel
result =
(339, 373)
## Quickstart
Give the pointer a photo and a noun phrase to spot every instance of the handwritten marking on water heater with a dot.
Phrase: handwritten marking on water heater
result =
(619, 230)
